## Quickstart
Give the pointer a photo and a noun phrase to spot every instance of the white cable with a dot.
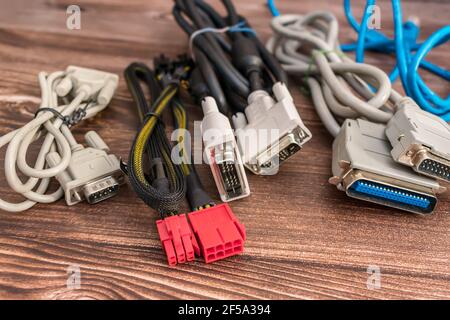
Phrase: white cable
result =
(86, 86)
(308, 46)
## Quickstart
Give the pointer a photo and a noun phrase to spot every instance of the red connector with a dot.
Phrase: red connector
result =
(177, 239)
(218, 232)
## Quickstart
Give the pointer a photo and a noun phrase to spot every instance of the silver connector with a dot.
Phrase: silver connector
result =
(276, 154)
(101, 189)
(228, 171)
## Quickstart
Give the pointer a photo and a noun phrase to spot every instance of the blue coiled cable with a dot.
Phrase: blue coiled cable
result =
(410, 55)
(409, 52)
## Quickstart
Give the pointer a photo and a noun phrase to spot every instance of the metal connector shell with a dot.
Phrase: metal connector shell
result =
(271, 131)
(364, 169)
(222, 153)
(420, 140)
(100, 190)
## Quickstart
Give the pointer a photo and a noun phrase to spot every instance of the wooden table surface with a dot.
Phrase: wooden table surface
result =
(305, 239)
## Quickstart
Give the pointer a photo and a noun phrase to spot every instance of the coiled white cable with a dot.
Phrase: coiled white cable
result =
(55, 133)
(308, 46)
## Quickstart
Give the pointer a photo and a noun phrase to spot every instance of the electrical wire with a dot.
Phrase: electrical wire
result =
(273, 8)
(159, 180)
(308, 46)
(238, 60)
(164, 188)
(50, 128)
(409, 53)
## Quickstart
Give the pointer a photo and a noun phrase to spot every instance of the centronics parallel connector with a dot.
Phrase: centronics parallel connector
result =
(92, 175)
(271, 131)
(222, 153)
(420, 140)
(364, 169)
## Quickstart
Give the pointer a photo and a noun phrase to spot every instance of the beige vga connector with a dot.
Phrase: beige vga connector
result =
(98, 85)
(271, 131)
(92, 175)
(420, 140)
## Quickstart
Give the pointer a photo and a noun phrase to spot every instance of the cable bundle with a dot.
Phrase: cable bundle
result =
(157, 180)
(232, 61)
(409, 52)
(308, 46)
(378, 132)
(156, 190)
(162, 180)
(67, 98)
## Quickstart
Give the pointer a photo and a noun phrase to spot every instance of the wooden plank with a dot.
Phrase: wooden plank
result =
(305, 239)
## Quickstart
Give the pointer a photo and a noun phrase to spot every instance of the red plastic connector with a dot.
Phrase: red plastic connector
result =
(218, 232)
(177, 239)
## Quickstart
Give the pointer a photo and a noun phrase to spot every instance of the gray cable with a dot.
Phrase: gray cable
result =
(308, 46)
(56, 135)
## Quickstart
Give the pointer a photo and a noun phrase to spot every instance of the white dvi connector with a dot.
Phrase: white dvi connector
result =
(271, 131)
(222, 154)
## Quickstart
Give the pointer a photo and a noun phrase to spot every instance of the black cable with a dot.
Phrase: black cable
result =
(157, 181)
(233, 64)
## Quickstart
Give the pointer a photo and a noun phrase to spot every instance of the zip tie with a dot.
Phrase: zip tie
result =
(69, 120)
(238, 27)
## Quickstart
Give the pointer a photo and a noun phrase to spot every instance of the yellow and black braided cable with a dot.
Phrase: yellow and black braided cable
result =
(151, 147)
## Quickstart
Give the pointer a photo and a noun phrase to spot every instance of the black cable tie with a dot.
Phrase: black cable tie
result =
(56, 113)
(71, 120)
(150, 114)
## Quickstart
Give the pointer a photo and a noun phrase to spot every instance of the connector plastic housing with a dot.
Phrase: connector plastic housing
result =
(222, 153)
(271, 131)
(98, 85)
(364, 169)
(218, 232)
(92, 175)
(420, 140)
(177, 239)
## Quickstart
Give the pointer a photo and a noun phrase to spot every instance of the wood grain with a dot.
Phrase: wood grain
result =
(305, 239)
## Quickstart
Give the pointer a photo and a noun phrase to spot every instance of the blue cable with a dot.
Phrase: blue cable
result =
(273, 8)
(363, 32)
(410, 55)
